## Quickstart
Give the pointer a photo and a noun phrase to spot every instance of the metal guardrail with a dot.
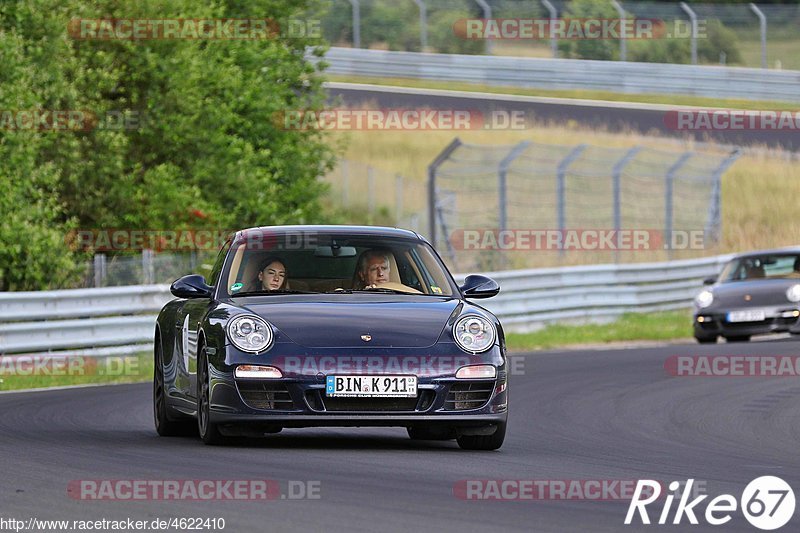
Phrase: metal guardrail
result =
(616, 76)
(118, 320)
(104, 321)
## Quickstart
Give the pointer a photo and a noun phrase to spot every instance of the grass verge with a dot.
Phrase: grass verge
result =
(670, 99)
(630, 327)
(38, 372)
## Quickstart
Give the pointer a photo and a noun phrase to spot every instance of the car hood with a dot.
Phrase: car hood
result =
(340, 322)
(761, 292)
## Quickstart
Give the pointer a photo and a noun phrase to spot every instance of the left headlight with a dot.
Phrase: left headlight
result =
(793, 293)
(250, 333)
(474, 334)
(704, 299)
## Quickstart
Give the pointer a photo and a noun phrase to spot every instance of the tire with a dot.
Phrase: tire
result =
(706, 340)
(484, 442)
(738, 338)
(208, 430)
(416, 433)
(165, 426)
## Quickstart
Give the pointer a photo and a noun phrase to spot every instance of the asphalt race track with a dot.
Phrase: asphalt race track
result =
(595, 415)
(612, 116)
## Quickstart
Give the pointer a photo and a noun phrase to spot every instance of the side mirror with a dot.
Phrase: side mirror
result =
(191, 286)
(476, 286)
(710, 280)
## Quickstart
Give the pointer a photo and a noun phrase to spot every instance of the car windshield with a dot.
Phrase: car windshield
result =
(768, 266)
(263, 264)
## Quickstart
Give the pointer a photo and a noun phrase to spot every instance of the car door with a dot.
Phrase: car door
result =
(189, 322)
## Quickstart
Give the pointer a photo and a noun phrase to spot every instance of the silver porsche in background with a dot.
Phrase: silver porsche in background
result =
(756, 293)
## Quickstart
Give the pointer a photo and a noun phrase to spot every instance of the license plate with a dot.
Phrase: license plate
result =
(749, 315)
(371, 386)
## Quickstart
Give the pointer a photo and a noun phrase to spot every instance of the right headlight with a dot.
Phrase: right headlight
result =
(704, 299)
(250, 333)
(793, 293)
(474, 334)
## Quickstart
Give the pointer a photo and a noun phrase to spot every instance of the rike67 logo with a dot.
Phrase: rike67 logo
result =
(767, 503)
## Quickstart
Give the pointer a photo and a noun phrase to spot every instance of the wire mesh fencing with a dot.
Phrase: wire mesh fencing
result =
(531, 204)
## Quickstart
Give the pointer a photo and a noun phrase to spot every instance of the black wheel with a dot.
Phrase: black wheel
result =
(165, 426)
(738, 338)
(484, 442)
(706, 340)
(416, 433)
(209, 431)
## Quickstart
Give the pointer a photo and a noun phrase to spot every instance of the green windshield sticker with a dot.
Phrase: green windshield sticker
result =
(236, 287)
(436, 290)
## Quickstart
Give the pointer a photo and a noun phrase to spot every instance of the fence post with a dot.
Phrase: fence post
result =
(432, 168)
(623, 43)
(99, 270)
(762, 22)
(669, 179)
(616, 177)
(398, 196)
(423, 24)
(148, 272)
(561, 187)
(370, 192)
(345, 182)
(502, 172)
(713, 224)
(553, 16)
(693, 19)
(356, 23)
(487, 14)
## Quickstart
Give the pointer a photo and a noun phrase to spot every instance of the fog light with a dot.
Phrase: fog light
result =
(476, 372)
(701, 319)
(257, 372)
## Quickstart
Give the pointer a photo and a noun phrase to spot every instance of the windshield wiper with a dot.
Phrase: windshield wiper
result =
(266, 293)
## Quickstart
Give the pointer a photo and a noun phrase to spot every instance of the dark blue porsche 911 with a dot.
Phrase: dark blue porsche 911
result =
(302, 326)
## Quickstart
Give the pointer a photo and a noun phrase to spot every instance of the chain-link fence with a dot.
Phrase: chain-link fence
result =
(753, 35)
(373, 196)
(146, 267)
(525, 205)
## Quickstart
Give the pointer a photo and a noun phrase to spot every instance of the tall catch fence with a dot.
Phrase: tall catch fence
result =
(507, 206)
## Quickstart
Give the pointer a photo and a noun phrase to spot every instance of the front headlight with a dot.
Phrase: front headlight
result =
(250, 333)
(474, 334)
(793, 293)
(704, 299)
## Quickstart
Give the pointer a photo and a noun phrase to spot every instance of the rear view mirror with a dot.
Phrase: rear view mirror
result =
(191, 286)
(476, 286)
(334, 251)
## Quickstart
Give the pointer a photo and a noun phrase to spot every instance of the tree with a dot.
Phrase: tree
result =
(209, 148)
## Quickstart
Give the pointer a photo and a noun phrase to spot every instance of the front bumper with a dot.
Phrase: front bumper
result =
(300, 401)
(777, 320)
